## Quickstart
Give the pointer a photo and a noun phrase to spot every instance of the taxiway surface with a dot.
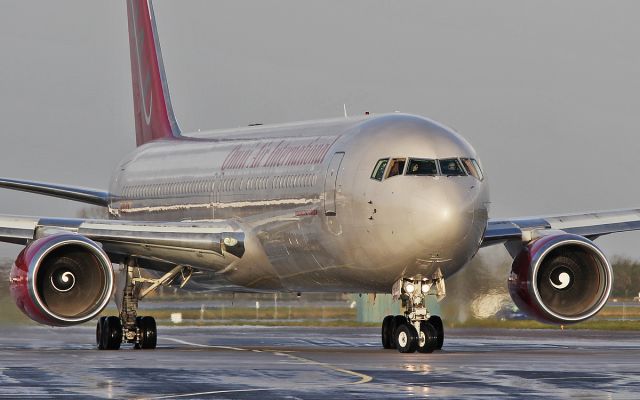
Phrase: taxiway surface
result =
(313, 363)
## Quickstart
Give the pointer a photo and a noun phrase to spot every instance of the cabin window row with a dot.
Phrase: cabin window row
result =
(386, 168)
(166, 189)
(224, 185)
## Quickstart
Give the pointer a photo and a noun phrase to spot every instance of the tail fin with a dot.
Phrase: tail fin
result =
(152, 105)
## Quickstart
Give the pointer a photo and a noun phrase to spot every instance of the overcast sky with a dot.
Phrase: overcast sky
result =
(547, 92)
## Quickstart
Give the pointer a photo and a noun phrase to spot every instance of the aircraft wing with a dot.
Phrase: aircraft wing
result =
(590, 225)
(84, 195)
(209, 245)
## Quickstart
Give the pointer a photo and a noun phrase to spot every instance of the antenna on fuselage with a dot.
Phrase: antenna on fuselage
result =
(345, 110)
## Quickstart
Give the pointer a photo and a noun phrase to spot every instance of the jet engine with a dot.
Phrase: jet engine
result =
(63, 279)
(561, 278)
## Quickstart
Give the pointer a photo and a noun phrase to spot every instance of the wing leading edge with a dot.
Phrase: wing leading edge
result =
(590, 225)
(207, 245)
(83, 195)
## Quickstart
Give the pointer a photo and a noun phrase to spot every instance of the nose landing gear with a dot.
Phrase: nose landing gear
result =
(416, 330)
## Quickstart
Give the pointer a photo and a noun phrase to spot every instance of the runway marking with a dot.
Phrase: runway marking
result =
(176, 396)
(363, 378)
(203, 345)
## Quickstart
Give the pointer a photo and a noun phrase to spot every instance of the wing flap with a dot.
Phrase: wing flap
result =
(499, 231)
(17, 230)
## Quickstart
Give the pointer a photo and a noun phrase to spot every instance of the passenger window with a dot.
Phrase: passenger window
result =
(397, 167)
(451, 167)
(472, 168)
(422, 167)
(378, 171)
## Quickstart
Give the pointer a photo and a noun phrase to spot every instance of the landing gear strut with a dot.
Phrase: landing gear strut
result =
(416, 330)
(112, 331)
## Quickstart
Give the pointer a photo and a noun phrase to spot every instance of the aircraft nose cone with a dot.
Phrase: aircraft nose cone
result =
(455, 211)
(443, 214)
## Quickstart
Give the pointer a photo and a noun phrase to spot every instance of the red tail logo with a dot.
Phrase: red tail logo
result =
(152, 105)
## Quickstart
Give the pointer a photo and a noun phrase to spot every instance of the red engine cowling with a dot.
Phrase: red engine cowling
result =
(561, 279)
(63, 279)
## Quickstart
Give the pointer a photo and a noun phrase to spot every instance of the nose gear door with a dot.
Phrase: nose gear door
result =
(330, 182)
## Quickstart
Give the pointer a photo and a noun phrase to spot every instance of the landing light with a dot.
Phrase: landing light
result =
(409, 287)
(425, 287)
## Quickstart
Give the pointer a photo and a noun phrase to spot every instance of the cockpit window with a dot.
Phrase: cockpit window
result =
(478, 169)
(397, 167)
(387, 168)
(472, 168)
(451, 167)
(422, 167)
(378, 171)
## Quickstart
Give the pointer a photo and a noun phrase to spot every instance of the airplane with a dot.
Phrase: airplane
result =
(390, 203)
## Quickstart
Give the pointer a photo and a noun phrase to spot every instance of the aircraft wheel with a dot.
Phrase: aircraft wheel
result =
(148, 332)
(406, 338)
(111, 334)
(437, 324)
(428, 338)
(99, 332)
(388, 326)
(397, 321)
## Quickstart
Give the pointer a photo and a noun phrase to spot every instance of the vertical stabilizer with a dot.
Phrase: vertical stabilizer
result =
(152, 105)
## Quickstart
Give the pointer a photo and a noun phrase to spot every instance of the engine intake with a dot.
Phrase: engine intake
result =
(561, 278)
(63, 279)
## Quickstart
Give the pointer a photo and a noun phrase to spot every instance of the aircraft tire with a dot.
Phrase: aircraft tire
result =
(148, 332)
(436, 321)
(428, 339)
(406, 338)
(397, 321)
(111, 334)
(388, 326)
(99, 332)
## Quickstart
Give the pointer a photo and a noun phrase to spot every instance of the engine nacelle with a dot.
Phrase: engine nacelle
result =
(63, 279)
(560, 278)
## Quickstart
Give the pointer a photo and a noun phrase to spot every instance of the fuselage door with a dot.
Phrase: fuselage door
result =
(330, 182)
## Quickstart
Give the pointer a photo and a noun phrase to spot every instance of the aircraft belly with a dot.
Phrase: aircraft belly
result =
(292, 246)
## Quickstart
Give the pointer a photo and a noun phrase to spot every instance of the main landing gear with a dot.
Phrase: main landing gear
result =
(416, 330)
(112, 331)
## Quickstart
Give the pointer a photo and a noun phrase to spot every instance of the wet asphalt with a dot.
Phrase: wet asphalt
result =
(318, 363)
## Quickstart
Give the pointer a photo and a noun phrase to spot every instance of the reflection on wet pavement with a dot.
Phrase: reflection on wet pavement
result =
(309, 363)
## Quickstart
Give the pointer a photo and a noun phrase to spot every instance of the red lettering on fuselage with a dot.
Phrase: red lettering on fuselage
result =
(277, 155)
(271, 160)
(257, 159)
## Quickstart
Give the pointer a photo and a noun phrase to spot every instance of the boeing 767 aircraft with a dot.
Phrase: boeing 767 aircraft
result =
(390, 203)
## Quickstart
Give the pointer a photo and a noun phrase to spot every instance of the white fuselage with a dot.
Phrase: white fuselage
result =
(313, 217)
